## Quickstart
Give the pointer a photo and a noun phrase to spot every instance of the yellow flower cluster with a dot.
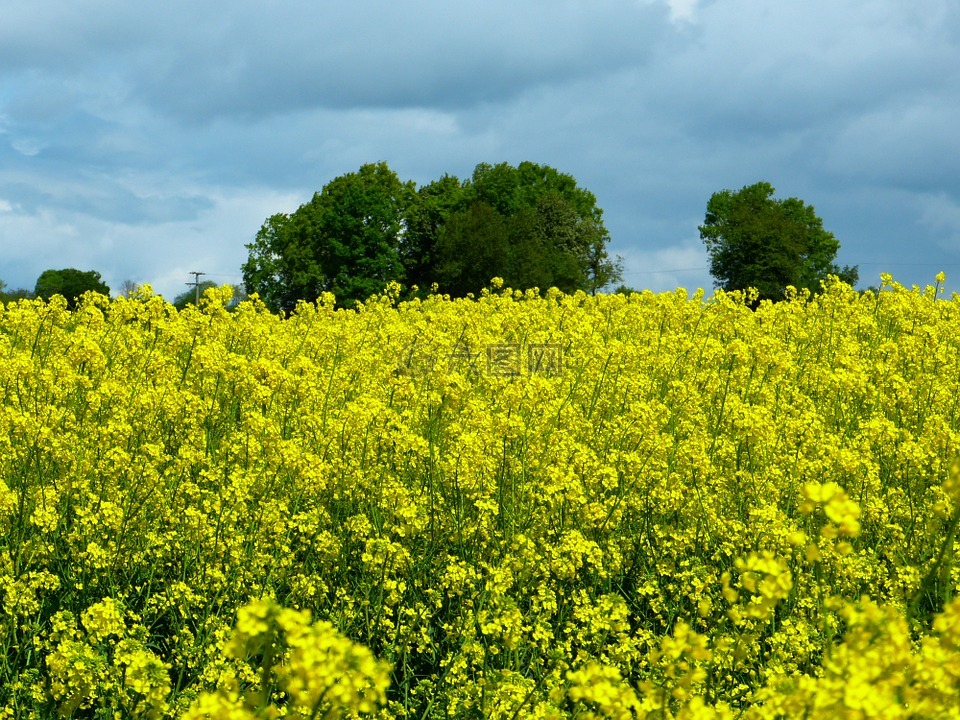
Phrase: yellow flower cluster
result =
(877, 672)
(521, 505)
(301, 670)
(101, 664)
(767, 579)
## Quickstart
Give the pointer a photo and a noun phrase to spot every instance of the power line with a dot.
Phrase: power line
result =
(659, 272)
(903, 264)
(881, 264)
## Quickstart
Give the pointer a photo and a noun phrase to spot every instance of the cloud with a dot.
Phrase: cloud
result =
(123, 199)
(911, 145)
(682, 10)
(758, 69)
(367, 54)
(49, 35)
(28, 146)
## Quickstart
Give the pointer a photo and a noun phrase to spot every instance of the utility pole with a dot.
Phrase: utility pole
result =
(196, 284)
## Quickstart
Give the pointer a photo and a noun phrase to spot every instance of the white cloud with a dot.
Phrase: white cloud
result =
(682, 10)
(28, 146)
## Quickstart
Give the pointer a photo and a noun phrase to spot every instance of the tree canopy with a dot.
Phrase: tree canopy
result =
(71, 283)
(531, 225)
(757, 241)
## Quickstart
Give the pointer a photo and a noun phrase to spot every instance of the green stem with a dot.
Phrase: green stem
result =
(929, 580)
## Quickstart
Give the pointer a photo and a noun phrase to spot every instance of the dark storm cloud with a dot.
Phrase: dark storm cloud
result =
(375, 54)
(206, 60)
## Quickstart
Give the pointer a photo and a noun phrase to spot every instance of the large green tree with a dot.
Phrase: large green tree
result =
(345, 241)
(756, 241)
(554, 231)
(71, 283)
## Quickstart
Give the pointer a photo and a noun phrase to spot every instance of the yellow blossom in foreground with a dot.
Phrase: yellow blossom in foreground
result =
(314, 669)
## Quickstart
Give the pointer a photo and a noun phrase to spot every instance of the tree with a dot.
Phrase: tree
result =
(128, 288)
(754, 240)
(70, 283)
(548, 232)
(345, 241)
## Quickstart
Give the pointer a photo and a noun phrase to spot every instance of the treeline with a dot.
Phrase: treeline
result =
(531, 225)
(72, 283)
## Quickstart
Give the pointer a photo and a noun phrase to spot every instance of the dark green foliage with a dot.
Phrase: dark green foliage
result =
(556, 231)
(472, 247)
(754, 240)
(433, 205)
(71, 283)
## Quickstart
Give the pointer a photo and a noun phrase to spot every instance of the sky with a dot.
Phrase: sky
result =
(151, 139)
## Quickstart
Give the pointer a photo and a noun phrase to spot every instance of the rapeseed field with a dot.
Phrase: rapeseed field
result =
(510, 506)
